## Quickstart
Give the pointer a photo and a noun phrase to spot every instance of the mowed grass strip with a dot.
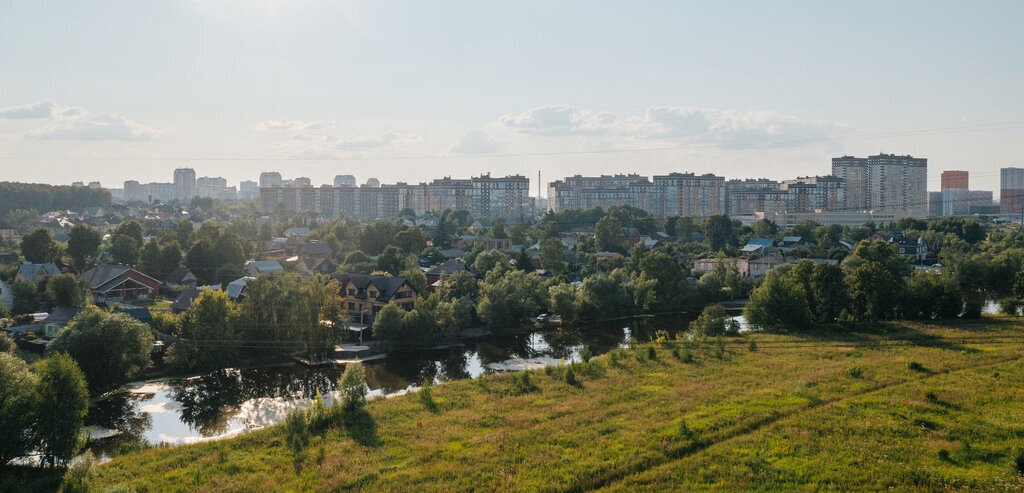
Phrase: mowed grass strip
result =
(633, 422)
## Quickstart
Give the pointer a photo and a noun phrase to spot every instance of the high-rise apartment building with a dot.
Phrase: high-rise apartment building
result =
(955, 185)
(815, 193)
(1011, 190)
(248, 190)
(748, 196)
(270, 179)
(344, 181)
(185, 183)
(884, 182)
(689, 195)
(483, 196)
(587, 192)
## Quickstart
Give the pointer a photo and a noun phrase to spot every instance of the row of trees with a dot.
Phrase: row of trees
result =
(42, 197)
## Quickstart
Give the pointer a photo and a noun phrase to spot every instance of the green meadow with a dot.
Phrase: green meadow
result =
(889, 406)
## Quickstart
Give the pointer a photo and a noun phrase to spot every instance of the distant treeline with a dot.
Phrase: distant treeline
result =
(44, 198)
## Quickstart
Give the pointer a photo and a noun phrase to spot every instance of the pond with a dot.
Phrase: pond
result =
(231, 401)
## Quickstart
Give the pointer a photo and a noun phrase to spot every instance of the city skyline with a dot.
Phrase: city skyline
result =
(322, 88)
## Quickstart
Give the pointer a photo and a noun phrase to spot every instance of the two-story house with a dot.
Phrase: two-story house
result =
(364, 295)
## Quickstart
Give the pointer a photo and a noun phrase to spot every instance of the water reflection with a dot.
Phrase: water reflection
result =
(226, 402)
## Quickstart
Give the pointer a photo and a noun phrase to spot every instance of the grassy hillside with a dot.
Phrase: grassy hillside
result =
(908, 407)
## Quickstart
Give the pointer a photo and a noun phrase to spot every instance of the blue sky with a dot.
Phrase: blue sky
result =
(116, 90)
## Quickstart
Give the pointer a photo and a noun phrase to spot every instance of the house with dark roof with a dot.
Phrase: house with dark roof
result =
(114, 282)
(37, 273)
(257, 267)
(180, 279)
(449, 267)
(236, 288)
(366, 295)
(318, 249)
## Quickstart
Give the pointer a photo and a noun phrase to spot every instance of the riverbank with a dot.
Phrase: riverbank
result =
(901, 406)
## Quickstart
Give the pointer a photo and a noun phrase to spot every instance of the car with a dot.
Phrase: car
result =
(543, 318)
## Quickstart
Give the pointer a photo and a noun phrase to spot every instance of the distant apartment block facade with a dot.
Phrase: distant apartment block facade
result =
(884, 182)
(1011, 190)
(688, 194)
(483, 196)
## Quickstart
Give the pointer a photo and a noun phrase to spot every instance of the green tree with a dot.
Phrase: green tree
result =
(392, 260)
(456, 286)
(376, 237)
(26, 297)
(67, 290)
(608, 234)
(217, 255)
(713, 321)
(604, 296)
(124, 249)
(490, 260)
(83, 244)
(829, 291)
(131, 229)
(110, 348)
(62, 399)
(410, 240)
(875, 274)
(498, 230)
(387, 324)
(352, 387)
(778, 304)
(159, 258)
(718, 232)
(416, 278)
(931, 295)
(766, 228)
(551, 256)
(7, 345)
(506, 297)
(38, 246)
(563, 302)
(208, 332)
(18, 408)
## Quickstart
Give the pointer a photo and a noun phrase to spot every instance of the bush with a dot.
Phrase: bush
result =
(79, 475)
(1010, 306)
(855, 372)
(426, 395)
(1019, 462)
(520, 383)
(570, 377)
(752, 347)
(352, 386)
(296, 431)
(652, 354)
(586, 354)
(915, 366)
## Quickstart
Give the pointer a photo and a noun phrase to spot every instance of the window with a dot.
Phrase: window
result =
(373, 294)
(351, 292)
(351, 306)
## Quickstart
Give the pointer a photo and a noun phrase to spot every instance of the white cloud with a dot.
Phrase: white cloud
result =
(297, 125)
(43, 110)
(320, 146)
(475, 142)
(680, 124)
(97, 127)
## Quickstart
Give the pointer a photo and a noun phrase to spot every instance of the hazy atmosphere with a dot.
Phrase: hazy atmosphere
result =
(407, 91)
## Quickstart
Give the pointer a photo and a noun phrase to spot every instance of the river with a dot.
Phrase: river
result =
(231, 401)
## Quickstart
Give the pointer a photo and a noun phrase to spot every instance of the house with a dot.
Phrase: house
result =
(364, 296)
(792, 241)
(487, 243)
(7, 233)
(184, 300)
(59, 318)
(236, 288)
(760, 266)
(453, 253)
(257, 267)
(111, 282)
(428, 220)
(757, 246)
(37, 273)
(297, 233)
(6, 295)
(479, 225)
(913, 250)
(317, 264)
(317, 249)
(180, 279)
(631, 235)
(449, 267)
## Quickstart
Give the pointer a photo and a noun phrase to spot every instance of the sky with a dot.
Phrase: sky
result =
(415, 90)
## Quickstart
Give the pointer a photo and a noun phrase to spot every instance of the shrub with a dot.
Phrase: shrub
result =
(353, 386)
(80, 474)
(296, 432)
(915, 366)
(687, 356)
(675, 353)
(426, 395)
(652, 354)
(855, 372)
(521, 383)
(752, 347)
(570, 377)
(586, 354)
(1019, 462)
(1010, 306)
(684, 431)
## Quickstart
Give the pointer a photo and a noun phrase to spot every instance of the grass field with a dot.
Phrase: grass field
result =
(906, 407)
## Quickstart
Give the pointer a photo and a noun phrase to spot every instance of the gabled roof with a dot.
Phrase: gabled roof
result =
(179, 276)
(317, 249)
(765, 242)
(313, 263)
(263, 266)
(792, 239)
(385, 286)
(235, 287)
(448, 268)
(453, 253)
(61, 315)
(297, 231)
(750, 247)
(30, 271)
(105, 276)
(184, 300)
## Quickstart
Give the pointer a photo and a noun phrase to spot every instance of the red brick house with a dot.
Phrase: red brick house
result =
(109, 282)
